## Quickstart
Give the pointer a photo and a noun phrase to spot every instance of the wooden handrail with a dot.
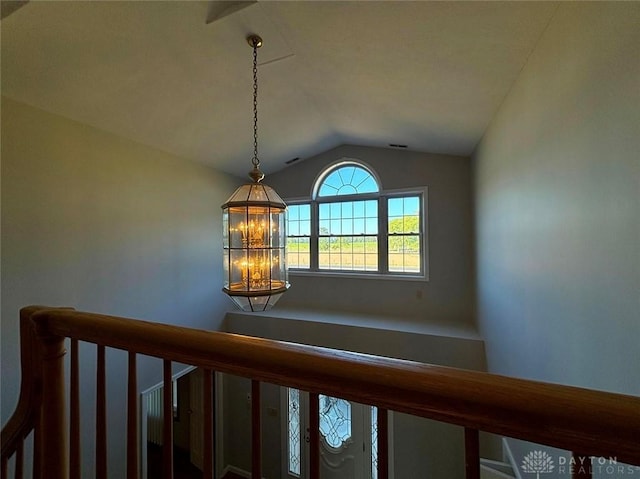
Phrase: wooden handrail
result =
(24, 417)
(593, 422)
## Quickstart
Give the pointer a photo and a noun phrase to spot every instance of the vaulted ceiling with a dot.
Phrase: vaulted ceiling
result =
(176, 75)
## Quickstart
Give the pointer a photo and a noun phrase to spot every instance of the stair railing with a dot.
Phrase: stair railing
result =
(592, 423)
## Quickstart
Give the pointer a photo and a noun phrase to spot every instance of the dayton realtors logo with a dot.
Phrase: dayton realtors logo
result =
(537, 462)
(540, 462)
(603, 466)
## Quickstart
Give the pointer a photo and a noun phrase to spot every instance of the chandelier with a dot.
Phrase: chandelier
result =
(254, 231)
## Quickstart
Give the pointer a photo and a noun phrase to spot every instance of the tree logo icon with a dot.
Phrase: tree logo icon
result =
(537, 462)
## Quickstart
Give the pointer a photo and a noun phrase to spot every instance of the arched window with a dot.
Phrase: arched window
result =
(346, 179)
(352, 225)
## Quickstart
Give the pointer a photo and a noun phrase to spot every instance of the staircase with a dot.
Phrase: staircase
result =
(496, 470)
(474, 400)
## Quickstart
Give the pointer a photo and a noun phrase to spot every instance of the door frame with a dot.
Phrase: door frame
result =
(218, 420)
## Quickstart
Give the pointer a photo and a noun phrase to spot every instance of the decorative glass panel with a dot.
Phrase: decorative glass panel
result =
(294, 431)
(335, 420)
(374, 443)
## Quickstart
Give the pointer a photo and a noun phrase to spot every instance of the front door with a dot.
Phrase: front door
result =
(345, 438)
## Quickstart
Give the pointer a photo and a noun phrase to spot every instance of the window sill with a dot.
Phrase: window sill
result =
(353, 275)
(243, 322)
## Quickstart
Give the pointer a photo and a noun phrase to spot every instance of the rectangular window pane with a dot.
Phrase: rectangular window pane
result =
(334, 210)
(359, 260)
(347, 226)
(296, 213)
(411, 224)
(342, 244)
(358, 209)
(412, 205)
(396, 262)
(371, 226)
(324, 245)
(360, 257)
(334, 228)
(298, 254)
(323, 211)
(293, 228)
(395, 207)
(406, 259)
(404, 235)
(371, 253)
(299, 236)
(305, 227)
(346, 253)
(371, 209)
(347, 209)
(335, 254)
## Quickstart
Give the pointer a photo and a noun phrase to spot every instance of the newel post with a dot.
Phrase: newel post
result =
(52, 422)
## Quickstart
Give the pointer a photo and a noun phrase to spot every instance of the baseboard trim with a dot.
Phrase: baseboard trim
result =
(501, 469)
(236, 470)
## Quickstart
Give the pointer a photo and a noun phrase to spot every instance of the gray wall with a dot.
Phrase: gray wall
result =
(449, 295)
(99, 223)
(446, 301)
(557, 198)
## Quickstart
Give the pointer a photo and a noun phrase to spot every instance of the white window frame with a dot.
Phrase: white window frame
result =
(382, 197)
(294, 203)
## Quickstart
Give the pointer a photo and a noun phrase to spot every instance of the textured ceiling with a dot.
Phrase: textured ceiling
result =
(429, 75)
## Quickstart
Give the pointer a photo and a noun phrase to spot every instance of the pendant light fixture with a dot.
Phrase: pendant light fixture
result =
(254, 238)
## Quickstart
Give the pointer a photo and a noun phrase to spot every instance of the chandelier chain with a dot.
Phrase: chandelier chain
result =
(255, 160)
